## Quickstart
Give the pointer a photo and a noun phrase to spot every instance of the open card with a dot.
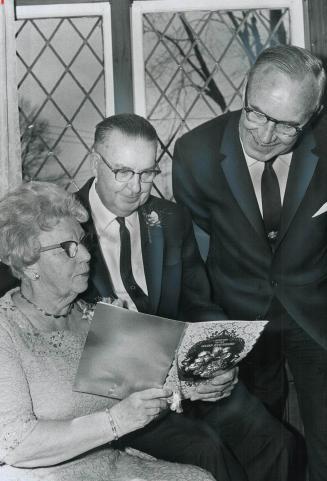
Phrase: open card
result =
(127, 351)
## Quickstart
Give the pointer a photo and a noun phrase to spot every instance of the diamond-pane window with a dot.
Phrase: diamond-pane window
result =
(195, 63)
(61, 95)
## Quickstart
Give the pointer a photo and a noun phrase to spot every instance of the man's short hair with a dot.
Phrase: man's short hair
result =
(295, 62)
(131, 125)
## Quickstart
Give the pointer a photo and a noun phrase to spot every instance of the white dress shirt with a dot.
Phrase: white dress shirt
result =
(281, 167)
(107, 229)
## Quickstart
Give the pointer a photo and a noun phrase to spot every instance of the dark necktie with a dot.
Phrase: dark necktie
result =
(135, 292)
(271, 201)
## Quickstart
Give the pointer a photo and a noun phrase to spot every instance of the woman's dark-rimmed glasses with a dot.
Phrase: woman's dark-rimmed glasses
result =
(70, 247)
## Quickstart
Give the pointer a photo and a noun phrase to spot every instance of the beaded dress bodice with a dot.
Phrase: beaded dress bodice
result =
(41, 366)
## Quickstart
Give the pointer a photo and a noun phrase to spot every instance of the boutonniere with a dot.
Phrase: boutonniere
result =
(152, 219)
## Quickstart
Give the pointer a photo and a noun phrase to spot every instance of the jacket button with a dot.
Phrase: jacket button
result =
(132, 287)
(274, 283)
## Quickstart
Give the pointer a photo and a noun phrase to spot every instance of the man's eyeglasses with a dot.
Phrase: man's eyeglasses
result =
(125, 175)
(259, 118)
(70, 246)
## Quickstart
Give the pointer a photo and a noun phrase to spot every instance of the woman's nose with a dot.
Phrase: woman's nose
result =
(84, 254)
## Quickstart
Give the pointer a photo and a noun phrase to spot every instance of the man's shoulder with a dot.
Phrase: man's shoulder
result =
(163, 205)
(210, 130)
(171, 215)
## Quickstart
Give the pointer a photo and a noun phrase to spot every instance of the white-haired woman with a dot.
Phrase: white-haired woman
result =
(47, 431)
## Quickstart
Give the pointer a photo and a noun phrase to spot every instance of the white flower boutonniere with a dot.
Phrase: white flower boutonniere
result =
(152, 220)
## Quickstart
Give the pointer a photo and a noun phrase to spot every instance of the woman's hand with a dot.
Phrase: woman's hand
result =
(139, 409)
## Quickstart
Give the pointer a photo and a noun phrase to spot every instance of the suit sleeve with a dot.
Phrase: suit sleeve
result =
(187, 189)
(195, 303)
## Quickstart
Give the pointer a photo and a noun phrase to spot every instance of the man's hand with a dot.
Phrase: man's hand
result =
(218, 388)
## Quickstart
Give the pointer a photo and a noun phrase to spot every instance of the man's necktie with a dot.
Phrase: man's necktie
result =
(135, 292)
(271, 201)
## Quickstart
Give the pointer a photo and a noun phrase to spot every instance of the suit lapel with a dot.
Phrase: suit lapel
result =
(238, 177)
(302, 168)
(99, 273)
(152, 241)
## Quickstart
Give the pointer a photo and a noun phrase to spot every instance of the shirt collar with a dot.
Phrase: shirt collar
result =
(103, 217)
(285, 158)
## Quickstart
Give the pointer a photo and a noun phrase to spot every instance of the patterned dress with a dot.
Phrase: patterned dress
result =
(37, 370)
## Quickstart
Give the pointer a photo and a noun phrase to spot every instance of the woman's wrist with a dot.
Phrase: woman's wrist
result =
(113, 424)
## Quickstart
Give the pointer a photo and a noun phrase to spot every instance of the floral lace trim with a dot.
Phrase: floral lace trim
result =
(6, 301)
(13, 434)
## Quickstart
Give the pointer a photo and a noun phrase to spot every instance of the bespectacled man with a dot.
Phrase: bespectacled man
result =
(144, 253)
(255, 182)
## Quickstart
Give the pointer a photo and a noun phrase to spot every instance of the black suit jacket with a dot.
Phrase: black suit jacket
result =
(7, 280)
(211, 178)
(178, 286)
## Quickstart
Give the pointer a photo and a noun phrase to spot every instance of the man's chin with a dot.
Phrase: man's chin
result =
(263, 154)
(130, 204)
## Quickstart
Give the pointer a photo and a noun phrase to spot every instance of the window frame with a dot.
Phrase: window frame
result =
(103, 9)
(140, 7)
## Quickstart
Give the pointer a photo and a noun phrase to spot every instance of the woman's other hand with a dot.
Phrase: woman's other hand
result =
(139, 409)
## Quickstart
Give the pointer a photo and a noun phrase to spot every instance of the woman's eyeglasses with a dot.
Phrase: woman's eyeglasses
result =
(70, 246)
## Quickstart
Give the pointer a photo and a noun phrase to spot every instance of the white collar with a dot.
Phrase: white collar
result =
(285, 158)
(103, 217)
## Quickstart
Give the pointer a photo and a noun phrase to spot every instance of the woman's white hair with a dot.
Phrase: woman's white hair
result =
(25, 212)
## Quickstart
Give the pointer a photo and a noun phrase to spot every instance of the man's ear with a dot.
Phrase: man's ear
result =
(94, 157)
(319, 110)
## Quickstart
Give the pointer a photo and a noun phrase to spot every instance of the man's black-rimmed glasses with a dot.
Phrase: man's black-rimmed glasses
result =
(259, 118)
(124, 174)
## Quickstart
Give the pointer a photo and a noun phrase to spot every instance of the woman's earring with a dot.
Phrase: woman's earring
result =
(36, 276)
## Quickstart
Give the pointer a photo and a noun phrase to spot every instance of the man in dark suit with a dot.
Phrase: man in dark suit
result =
(256, 181)
(144, 253)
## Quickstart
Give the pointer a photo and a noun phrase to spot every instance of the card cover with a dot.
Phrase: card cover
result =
(127, 351)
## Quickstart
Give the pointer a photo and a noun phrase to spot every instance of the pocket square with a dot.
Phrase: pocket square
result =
(322, 210)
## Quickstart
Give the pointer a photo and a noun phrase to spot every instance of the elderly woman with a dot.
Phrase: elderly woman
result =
(47, 431)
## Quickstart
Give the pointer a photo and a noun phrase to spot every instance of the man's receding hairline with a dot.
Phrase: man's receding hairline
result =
(266, 68)
(129, 135)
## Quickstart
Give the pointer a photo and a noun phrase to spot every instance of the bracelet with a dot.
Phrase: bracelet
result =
(112, 424)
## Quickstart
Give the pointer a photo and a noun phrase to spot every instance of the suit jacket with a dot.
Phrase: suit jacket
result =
(7, 280)
(178, 286)
(211, 178)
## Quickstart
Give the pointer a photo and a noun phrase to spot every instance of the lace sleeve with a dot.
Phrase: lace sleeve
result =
(16, 413)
